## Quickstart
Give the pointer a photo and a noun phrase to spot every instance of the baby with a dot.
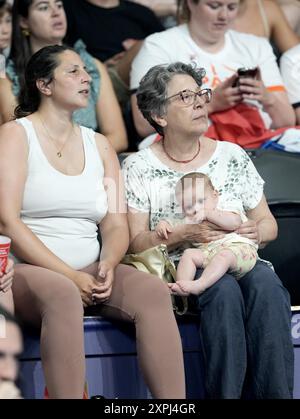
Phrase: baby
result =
(233, 253)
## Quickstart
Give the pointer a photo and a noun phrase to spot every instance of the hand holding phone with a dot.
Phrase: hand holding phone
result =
(245, 73)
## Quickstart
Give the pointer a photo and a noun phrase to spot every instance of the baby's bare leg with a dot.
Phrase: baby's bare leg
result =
(186, 270)
(188, 264)
(217, 267)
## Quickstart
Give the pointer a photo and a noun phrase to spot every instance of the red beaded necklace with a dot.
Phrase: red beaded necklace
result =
(180, 161)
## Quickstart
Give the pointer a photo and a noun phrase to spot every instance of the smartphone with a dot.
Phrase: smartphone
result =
(245, 72)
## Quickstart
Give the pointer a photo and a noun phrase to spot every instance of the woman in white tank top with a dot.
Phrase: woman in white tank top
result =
(58, 183)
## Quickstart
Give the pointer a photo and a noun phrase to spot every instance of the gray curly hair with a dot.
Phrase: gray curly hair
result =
(152, 91)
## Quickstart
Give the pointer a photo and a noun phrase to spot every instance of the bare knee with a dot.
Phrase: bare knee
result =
(193, 255)
(67, 296)
(153, 291)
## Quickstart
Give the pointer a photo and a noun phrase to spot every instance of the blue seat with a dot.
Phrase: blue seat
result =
(111, 361)
(112, 369)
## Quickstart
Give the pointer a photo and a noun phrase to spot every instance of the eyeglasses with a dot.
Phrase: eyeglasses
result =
(188, 97)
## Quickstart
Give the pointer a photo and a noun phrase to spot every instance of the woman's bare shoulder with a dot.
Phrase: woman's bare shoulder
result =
(13, 141)
(105, 148)
(273, 11)
(13, 129)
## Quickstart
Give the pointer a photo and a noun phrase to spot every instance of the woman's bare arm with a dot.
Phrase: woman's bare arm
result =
(8, 101)
(261, 227)
(109, 114)
(114, 226)
(141, 238)
(281, 32)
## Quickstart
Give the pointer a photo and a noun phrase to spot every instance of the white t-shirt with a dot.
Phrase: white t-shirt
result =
(150, 184)
(290, 70)
(240, 50)
(63, 211)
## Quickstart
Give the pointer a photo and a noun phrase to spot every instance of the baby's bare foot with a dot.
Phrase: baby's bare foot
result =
(176, 289)
(190, 287)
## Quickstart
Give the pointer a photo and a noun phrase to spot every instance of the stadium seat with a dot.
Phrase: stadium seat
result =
(281, 172)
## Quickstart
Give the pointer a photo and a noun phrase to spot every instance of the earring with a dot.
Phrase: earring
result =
(25, 32)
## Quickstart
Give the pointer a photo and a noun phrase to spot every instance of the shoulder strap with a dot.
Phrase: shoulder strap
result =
(264, 18)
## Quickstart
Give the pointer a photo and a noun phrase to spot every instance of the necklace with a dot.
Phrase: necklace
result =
(180, 161)
(58, 151)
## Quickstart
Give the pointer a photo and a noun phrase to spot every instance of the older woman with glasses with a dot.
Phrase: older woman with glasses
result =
(245, 324)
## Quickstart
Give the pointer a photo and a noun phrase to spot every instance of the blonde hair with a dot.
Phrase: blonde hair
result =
(183, 11)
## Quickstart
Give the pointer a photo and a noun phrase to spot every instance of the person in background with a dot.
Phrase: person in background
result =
(291, 9)
(5, 27)
(59, 184)
(290, 70)
(166, 10)
(11, 346)
(37, 24)
(207, 40)
(113, 31)
(245, 325)
(265, 18)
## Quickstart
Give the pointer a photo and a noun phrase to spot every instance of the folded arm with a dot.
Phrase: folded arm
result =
(226, 220)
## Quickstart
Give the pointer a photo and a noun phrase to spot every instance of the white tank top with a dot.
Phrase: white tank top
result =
(63, 211)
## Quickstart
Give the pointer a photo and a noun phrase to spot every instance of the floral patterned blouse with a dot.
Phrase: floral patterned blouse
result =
(150, 184)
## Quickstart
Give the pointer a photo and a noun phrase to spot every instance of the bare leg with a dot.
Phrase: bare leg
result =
(217, 267)
(145, 300)
(46, 299)
(186, 269)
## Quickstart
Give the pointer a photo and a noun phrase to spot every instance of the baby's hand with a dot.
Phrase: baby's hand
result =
(162, 229)
(197, 218)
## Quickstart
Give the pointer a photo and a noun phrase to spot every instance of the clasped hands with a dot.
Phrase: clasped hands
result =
(95, 290)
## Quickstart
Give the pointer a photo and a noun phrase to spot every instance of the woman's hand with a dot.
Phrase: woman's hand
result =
(85, 283)
(225, 96)
(7, 278)
(105, 279)
(249, 230)
(254, 89)
(203, 233)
